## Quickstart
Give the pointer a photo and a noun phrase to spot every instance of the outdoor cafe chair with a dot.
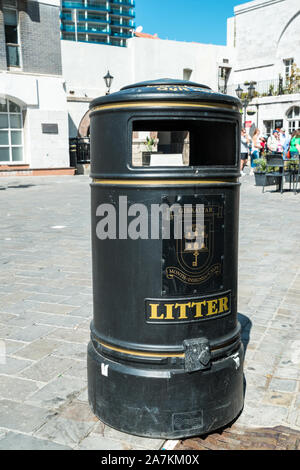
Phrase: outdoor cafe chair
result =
(274, 160)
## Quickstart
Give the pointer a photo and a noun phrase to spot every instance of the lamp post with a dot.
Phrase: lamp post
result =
(108, 78)
(250, 95)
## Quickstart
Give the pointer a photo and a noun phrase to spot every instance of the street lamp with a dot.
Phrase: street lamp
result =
(250, 95)
(108, 78)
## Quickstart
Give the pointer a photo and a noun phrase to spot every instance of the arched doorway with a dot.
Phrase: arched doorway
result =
(84, 126)
(11, 132)
(293, 117)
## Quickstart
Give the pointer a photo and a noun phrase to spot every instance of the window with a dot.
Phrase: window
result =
(11, 132)
(293, 116)
(11, 37)
(161, 143)
(269, 127)
(288, 63)
(187, 73)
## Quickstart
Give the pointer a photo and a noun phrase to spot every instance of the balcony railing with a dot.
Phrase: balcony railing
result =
(130, 24)
(67, 36)
(82, 29)
(128, 13)
(93, 6)
(81, 6)
(123, 3)
(13, 55)
(121, 35)
(276, 87)
(83, 19)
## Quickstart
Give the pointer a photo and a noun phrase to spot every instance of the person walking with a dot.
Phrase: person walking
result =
(256, 147)
(285, 142)
(295, 144)
(245, 142)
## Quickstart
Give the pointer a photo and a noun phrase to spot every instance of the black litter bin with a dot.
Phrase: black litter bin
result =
(165, 358)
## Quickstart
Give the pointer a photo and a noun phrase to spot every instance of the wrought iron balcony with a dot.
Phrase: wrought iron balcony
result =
(276, 87)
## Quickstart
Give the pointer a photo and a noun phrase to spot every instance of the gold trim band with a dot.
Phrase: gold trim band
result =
(158, 182)
(164, 104)
(130, 352)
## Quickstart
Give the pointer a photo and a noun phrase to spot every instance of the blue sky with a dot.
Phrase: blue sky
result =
(186, 20)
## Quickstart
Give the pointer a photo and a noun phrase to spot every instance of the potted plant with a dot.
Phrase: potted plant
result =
(261, 178)
(150, 143)
(260, 171)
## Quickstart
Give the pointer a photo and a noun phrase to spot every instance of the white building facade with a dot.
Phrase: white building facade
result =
(266, 37)
(33, 105)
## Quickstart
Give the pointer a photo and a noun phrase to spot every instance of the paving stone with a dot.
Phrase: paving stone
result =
(37, 349)
(44, 307)
(283, 385)
(74, 335)
(11, 347)
(83, 396)
(13, 366)
(78, 369)
(16, 441)
(48, 298)
(86, 311)
(65, 321)
(65, 431)
(15, 388)
(78, 411)
(21, 416)
(47, 368)
(133, 441)
(27, 334)
(6, 317)
(95, 442)
(278, 398)
(71, 350)
(287, 372)
(57, 392)
(79, 300)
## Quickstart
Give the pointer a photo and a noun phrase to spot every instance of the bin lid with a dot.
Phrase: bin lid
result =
(166, 89)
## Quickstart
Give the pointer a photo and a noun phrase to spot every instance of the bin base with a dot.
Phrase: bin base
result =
(161, 403)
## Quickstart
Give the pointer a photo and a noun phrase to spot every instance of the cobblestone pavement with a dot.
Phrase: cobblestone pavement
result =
(45, 311)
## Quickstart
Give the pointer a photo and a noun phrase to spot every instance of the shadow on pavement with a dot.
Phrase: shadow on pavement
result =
(21, 186)
(246, 325)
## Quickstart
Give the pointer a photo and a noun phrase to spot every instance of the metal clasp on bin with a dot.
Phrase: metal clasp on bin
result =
(197, 354)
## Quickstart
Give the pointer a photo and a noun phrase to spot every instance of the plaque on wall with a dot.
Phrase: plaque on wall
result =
(49, 128)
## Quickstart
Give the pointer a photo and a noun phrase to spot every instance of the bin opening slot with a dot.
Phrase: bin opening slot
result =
(176, 143)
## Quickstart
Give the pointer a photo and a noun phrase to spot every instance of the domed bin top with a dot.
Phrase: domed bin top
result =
(164, 129)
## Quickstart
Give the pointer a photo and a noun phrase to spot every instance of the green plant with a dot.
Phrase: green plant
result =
(261, 165)
(271, 90)
(150, 142)
(293, 81)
